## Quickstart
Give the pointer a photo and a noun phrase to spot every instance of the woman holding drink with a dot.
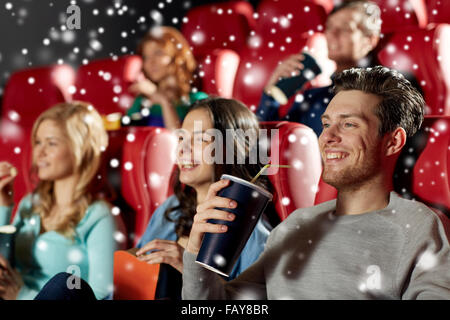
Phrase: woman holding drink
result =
(165, 238)
(63, 225)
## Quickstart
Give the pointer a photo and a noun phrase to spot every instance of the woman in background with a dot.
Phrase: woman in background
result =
(164, 91)
(63, 225)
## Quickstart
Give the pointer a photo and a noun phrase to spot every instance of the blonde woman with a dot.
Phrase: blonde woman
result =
(62, 226)
(164, 91)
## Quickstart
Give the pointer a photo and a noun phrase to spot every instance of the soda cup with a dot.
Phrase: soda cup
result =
(7, 236)
(220, 251)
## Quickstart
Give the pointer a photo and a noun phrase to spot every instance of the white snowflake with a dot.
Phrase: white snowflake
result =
(219, 260)
(119, 237)
(115, 211)
(42, 245)
(128, 166)
(75, 255)
(285, 201)
(155, 180)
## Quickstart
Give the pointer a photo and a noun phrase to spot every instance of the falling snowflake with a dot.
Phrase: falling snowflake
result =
(309, 74)
(42, 245)
(128, 166)
(219, 260)
(115, 211)
(285, 201)
(304, 140)
(129, 266)
(13, 116)
(131, 137)
(299, 98)
(126, 120)
(72, 89)
(427, 260)
(155, 180)
(75, 255)
(119, 237)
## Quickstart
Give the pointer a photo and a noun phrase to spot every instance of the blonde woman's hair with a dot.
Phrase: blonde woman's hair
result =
(83, 128)
(183, 62)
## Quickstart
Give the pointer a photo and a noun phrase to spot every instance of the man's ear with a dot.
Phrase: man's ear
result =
(395, 141)
(370, 42)
(374, 41)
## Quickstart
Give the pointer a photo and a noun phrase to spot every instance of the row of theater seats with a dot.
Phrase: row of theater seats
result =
(141, 179)
(238, 47)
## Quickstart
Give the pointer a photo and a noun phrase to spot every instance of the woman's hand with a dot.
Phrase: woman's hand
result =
(10, 281)
(7, 176)
(166, 251)
(205, 211)
(143, 87)
(288, 68)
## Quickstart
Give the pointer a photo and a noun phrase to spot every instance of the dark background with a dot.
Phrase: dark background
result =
(32, 31)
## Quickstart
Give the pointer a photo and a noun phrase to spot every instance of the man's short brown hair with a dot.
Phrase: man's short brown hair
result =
(401, 105)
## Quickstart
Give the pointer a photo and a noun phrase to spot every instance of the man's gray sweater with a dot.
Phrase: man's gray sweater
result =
(400, 252)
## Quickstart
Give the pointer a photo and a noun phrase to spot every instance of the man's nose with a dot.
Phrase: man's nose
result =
(330, 135)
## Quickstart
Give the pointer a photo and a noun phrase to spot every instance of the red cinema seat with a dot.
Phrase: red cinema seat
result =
(281, 31)
(217, 72)
(147, 164)
(399, 15)
(423, 168)
(217, 33)
(438, 11)
(105, 82)
(328, 5)
(29, 92)
(286, 24)
(425, 53)
(295, 145)
(325, 192)
(16, 149)
(219, 25)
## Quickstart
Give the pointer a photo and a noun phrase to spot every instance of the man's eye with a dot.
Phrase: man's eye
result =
(325, 125)
(349, 125)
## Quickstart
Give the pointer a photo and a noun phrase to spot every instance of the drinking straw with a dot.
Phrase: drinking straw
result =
(267, 166)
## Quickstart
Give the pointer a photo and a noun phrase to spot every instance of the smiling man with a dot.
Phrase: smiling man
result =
(369, 243)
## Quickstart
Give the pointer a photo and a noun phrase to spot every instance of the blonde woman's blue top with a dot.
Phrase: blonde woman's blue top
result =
(40, 256)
